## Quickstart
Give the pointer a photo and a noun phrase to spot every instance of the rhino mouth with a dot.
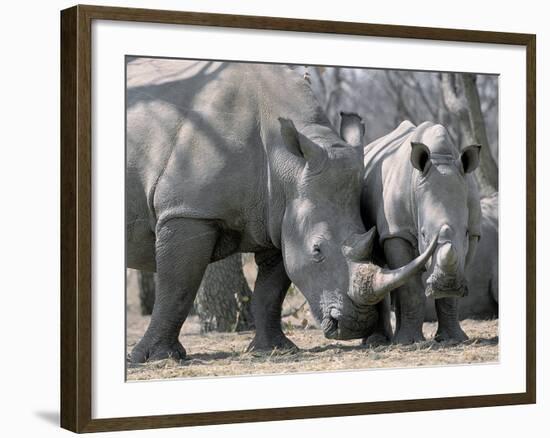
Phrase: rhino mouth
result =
(441, 285)
(346, 323)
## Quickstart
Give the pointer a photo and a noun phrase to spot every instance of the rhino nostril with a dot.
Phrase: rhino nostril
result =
(445, 233)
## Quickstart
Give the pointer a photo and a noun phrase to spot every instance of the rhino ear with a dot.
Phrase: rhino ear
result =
(469, 158)
(352, 128)
(290, 135)
(420, 156)
(301, 145)
(358, 247)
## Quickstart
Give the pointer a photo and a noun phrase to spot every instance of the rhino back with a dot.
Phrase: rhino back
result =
(483, 272)
(198, 140)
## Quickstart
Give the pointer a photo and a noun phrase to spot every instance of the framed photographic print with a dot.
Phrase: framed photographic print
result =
(268, 219)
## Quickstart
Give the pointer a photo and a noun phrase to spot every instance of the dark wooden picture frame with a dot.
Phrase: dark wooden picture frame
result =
(76, 218)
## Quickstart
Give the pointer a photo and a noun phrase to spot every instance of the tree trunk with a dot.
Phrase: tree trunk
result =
(461, 97)
(487, 172)
(223, 299)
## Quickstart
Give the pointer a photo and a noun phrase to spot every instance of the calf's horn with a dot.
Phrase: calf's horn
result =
(447, 257)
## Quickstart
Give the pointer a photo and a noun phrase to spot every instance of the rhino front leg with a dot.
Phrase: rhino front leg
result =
(409, 299)
(270, 290)
(448, 327)
(183, 251)
(383, 333)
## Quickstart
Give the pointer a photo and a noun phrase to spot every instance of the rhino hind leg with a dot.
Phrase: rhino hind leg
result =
(184, 248)
(269, 293)
(448, 328)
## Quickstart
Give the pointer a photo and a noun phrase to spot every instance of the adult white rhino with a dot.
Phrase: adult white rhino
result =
(231, 157)
(418, 186)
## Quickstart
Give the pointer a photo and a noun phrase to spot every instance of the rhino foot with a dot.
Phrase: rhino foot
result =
(455, 336)
(407, 337)
(146, 351)
(375, 340)
(280, 343)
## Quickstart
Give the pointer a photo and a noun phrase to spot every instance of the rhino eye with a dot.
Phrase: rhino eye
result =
(317, 253)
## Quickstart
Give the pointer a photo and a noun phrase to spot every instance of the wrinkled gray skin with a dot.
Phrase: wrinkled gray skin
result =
(225, 158)
(482, 274)
(418, 187)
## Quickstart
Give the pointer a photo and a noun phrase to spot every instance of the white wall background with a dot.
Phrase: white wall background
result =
(29, 218)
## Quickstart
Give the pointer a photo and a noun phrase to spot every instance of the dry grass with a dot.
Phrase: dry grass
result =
(222, 354)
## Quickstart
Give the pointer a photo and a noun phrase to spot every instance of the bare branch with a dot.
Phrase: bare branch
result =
(454, 100)
(396, 92)
(488, 170)
(293, 311)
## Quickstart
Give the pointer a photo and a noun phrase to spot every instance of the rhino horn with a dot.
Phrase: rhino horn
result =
(372, 283)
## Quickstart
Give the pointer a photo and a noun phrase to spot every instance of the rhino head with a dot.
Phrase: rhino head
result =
(325, 247)
(442, 197)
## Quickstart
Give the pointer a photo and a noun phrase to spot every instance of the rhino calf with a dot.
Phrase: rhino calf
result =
(418, 187)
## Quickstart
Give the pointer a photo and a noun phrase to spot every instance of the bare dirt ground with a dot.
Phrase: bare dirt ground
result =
(223, 354)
